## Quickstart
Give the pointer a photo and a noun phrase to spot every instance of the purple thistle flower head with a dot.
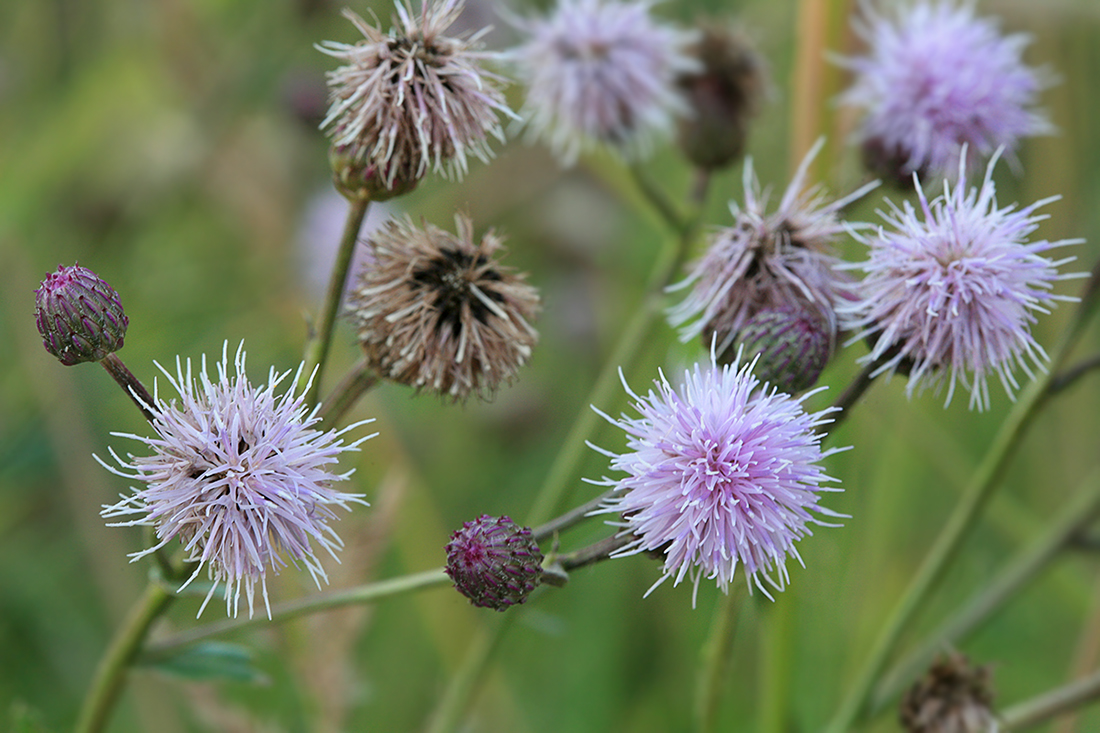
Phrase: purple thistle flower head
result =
(411, 99)
(721, 472)
(601, 71)
(950, 292)
(494, 562)
(240, 475)
(937, 78)
(781, 261)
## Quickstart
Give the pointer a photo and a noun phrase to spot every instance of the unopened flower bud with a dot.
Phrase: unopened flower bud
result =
(794, 345)
(953, 696)
(724, 95)
(494, 562)
(359, 179)
(79, 315)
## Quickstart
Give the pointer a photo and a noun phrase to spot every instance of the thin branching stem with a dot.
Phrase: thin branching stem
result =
(1049, 705)
(130, 384)
(356, 383)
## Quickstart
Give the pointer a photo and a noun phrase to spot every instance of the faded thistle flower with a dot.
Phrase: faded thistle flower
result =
(409, 100)
(436, 311)
(600, 71)
(767, 262)
(951, 289)
(494, 562)
(953, 697)
(239, 475)
(937, 78)
(719, 473)
(79, 315)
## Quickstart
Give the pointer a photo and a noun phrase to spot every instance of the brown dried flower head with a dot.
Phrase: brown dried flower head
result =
(953, 697)
(435, 311)
(412, 99)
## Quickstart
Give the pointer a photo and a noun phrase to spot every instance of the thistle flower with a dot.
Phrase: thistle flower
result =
(953, 697)
(239, 475)
(720, 472)
(951, 291)
(767, 262)
(437, 312)
(410, 99)
(494, 562)
(600, 71)
(937, 78)
(79, 316)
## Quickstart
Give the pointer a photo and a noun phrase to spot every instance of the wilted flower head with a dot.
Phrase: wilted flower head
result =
(411, 99)
(937, 78)
(767, 262)
(600, 71)
(240, 475)
(721, 472)
(494, 562)
(951, 290)
(79, 315)
(435, 311)
(953, 697)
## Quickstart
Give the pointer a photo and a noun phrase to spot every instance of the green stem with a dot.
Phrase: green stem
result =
(958, 526)
(1049, 705)
(659, 200)
(1074, 517)
(320, 338)
(359, 595)
(459, 694)
(571, 517)
(715, 658)
(855, 390)
(357, 382)
(130, 384)
(110, 675)
(776, 666)
(1065, 380)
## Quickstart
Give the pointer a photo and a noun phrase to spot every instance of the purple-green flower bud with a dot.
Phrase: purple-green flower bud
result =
(794, 345)
(79, 315)
(494, 562)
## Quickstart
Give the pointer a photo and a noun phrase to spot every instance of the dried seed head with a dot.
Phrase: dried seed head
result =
(953, 697)
(79, 315)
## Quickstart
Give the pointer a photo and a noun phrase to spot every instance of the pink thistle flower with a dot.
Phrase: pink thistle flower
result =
(781, 261)
(413, 98)
(951, 292)
(600, 71)
(721, 472)
(937, 78)
(239, 475)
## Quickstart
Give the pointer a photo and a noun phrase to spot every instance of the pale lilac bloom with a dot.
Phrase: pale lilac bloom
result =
(937, 78)
(722, 471)
(951, 289)
(601, 71)
(240, 475)
(768, 262)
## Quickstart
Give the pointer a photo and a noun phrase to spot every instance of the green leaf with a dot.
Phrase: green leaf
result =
(209, 660)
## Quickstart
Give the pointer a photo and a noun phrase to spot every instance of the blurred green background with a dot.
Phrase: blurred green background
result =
(171, 146)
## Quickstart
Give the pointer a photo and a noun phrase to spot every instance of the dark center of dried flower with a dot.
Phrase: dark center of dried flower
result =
(449, 277)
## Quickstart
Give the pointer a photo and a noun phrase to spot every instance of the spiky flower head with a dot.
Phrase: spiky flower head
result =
(937, 78)
(724, 95)
(600, 71)
(953, 697)
(951, 289)
(720, 472)
(791, 346)
(79, 315)
(767, 262)
(494, 562)
(436, 311)
(411, 100)
(240, 475)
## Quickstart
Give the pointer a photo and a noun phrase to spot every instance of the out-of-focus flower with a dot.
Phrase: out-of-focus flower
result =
(724, 94)
(410, 100)
(494, 562)
(240, 475)
(951, 290)
(762, 262)
(600, 71)
(937, 78)
(435, 311)
(79, 315)
(953, 697)
(720, 473)
(791, 346)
